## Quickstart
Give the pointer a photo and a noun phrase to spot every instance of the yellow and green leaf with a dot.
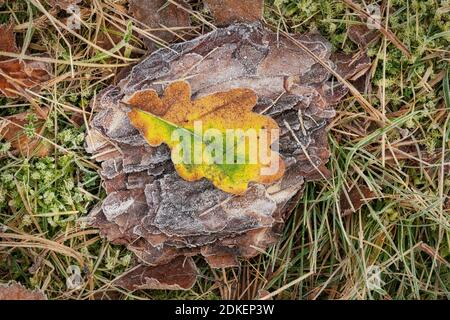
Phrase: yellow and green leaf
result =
(159, 119)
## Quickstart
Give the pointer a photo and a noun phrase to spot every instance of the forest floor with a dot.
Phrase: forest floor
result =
(399, 233)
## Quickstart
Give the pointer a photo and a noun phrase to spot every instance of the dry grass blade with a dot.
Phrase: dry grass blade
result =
(286, 286)
(38, 242)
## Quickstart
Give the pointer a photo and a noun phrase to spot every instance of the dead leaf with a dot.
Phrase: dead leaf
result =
(362, 35)
(8, 39)
(351, 66)
(11, 130)
(15, 291)
(15, 74)
(179, 274)
(160, 16)
(228, 11)
(354, 199)
(158, 119)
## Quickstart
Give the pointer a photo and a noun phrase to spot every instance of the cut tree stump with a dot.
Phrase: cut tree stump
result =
(161, 217)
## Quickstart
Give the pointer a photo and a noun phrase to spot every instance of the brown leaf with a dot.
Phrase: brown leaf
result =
(15, 74)
(15, 291)
(179, 274)
(159, 16)
(362, 35)
(352, 200)
(11, 131)
(229, 11)
(351, 66)
(7, 39)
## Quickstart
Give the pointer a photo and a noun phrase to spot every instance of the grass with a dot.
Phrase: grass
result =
(403, 230)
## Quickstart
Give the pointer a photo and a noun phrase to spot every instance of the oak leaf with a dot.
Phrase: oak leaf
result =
(251, 158)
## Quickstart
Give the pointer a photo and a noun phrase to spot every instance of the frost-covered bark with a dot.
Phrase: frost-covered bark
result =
(160, 216)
